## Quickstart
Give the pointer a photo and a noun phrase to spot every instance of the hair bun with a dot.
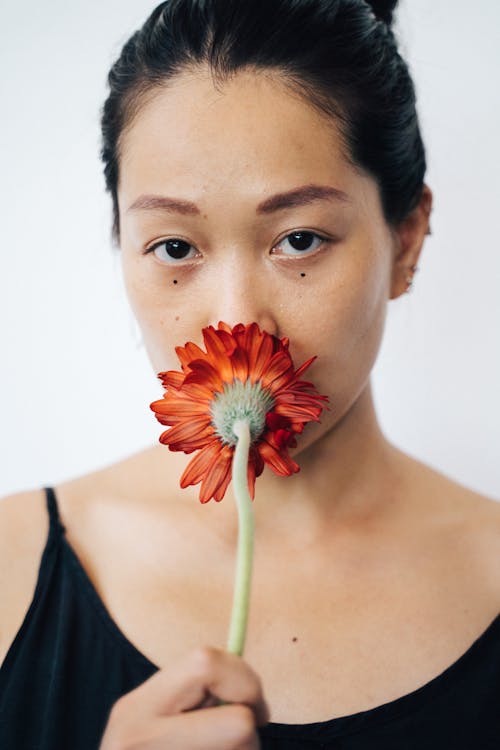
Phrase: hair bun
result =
(383, 9)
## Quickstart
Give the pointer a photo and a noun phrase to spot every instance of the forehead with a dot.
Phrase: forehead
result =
(250, 127)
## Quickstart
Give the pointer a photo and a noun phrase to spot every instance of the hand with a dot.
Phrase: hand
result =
(178, 707)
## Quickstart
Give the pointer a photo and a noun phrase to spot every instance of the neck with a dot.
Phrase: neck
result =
(343, 478)
(345, 481)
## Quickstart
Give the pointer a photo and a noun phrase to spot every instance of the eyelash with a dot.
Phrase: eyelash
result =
(299, 254)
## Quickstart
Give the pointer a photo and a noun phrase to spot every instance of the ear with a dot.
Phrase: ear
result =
(409, 238)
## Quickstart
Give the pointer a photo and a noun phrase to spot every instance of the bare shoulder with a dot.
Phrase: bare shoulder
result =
(478, 532)
(466, 522)
(135, 484)
(24, 526)
(472, 510)
(481, 522)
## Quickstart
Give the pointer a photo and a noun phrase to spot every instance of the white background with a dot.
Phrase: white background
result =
(75, 381)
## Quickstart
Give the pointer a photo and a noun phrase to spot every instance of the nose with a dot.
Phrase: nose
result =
(242, 294)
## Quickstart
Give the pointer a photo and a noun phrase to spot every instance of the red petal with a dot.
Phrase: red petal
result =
(204, 373)
(188, 447)
(224, 326)
(218, 342)
(240, 364)
(257, 461)
(259, 356)
(218, 353)
(221, 489)
(280, 462)
(174, 409)
(304, 367)
(189, 352)
(216, 474)
(199, 465)
(172, 378)
(291, 396)
(248, 337)
(186, 430)
(285, 341)
(255, 469)
(276, 421)
(283, 381)
(283, 438)
(169, 418)
(194, 351)
(293, 411)
(251, 479)
(180, 408)
(241, 334)
(197, 392)
(279, 364)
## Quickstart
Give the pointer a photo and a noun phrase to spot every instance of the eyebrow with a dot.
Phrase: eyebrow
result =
(299, 196)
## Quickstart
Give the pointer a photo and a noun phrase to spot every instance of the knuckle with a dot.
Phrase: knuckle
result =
(204, 659)
(255, 688)
(252, 690)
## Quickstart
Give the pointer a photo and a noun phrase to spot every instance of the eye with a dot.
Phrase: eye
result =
(302, 242)
(175, 249)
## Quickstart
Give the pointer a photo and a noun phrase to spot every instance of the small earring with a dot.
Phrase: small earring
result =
(409, 279)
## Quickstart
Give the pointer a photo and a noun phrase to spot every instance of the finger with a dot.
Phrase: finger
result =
(230, 727)
(203, 673)
(207, 673)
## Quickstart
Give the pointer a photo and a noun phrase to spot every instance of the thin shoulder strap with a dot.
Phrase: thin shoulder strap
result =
(56, 526)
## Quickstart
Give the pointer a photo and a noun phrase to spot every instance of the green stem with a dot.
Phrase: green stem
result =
(241, 595)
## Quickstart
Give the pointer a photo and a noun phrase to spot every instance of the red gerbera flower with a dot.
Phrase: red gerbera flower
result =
(245, 373)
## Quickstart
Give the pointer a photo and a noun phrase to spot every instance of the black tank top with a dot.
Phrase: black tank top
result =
(69, 663)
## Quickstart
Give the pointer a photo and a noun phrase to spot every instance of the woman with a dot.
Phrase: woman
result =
(265, 165)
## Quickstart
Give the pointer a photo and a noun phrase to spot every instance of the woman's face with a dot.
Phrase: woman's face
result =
(226, 242)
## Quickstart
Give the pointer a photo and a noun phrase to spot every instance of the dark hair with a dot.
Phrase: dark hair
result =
(341, 56)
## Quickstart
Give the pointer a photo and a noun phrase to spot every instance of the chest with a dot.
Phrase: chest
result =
(324, 642)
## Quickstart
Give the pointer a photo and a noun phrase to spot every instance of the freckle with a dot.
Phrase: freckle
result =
(302, 274)
(294, 638)
(175, 281)
(177, 317)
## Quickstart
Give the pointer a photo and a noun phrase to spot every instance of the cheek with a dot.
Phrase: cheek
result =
(346, 329)
(156, 313)
(364, 315)
(154, 301)
(361, 340)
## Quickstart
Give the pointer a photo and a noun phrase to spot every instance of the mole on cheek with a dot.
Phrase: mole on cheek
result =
(175, 281)
(302, 274)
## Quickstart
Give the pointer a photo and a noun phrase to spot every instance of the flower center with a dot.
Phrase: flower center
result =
(240, 401)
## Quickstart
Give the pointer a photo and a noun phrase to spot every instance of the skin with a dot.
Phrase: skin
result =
(239, 266)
